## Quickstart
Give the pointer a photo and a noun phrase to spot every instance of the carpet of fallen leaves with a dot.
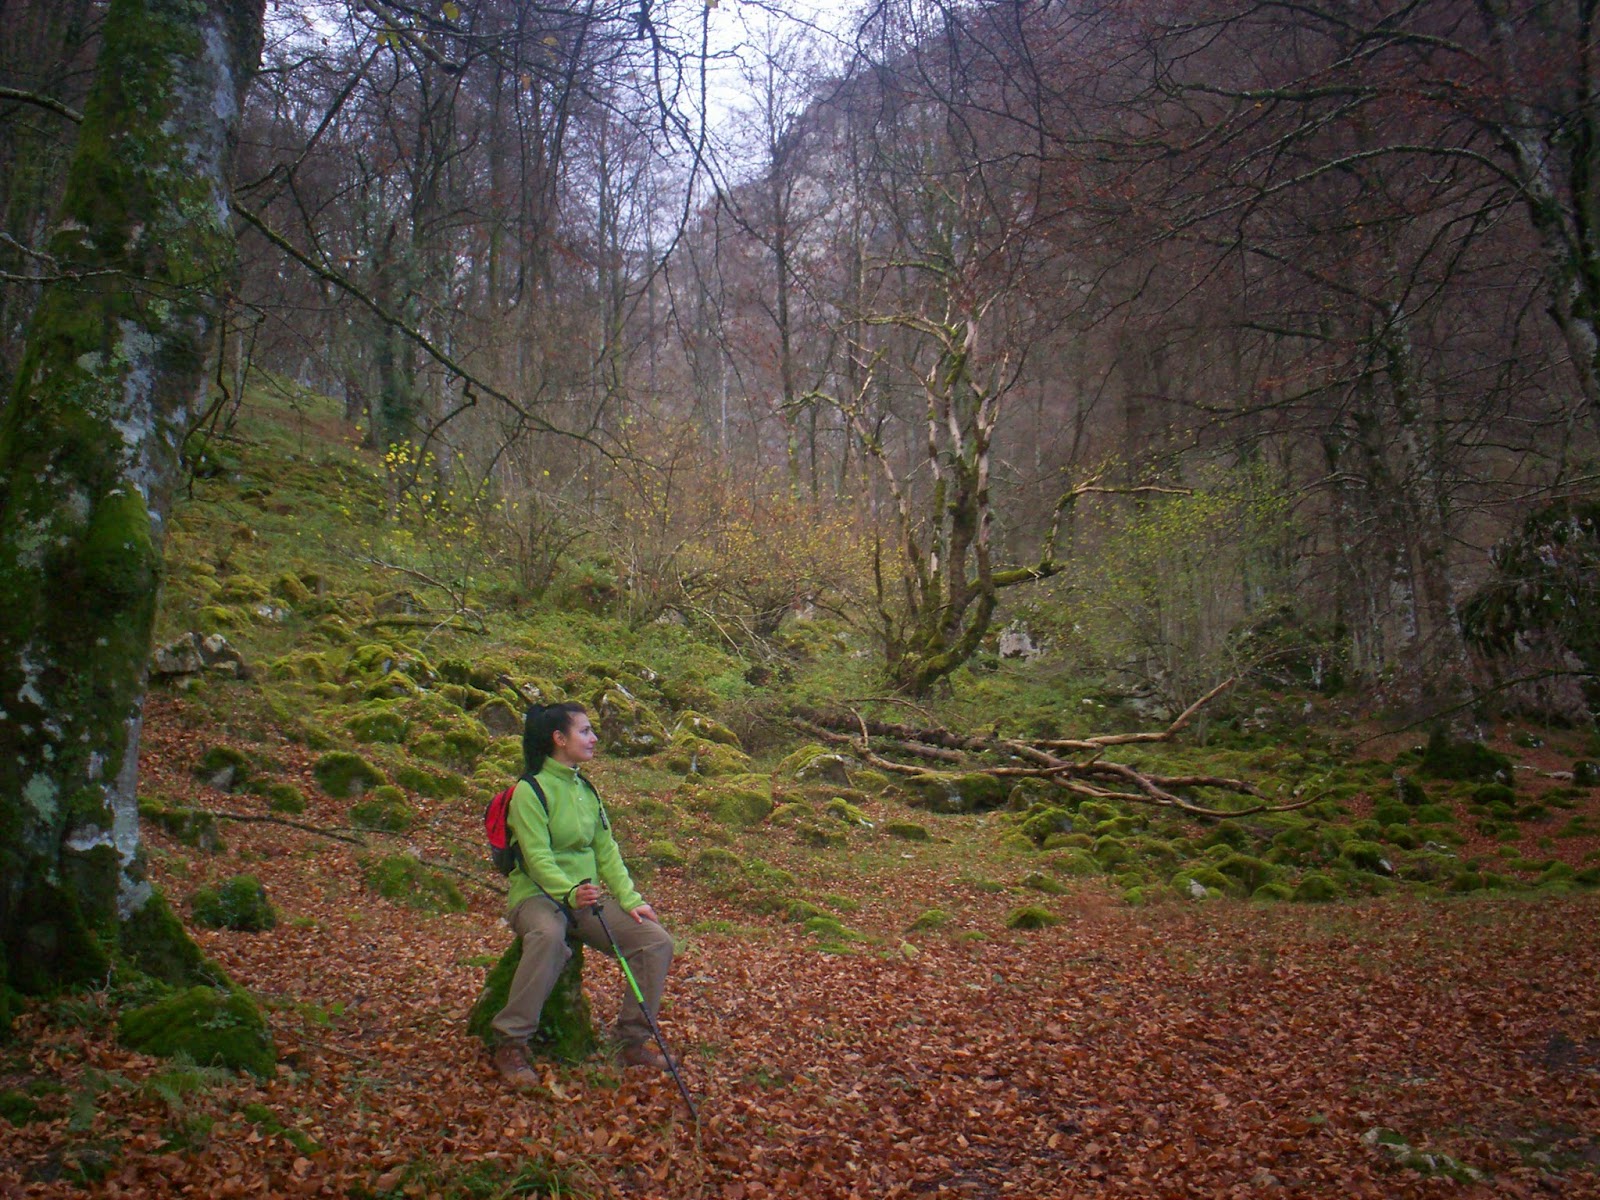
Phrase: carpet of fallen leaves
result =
(1222, 1050)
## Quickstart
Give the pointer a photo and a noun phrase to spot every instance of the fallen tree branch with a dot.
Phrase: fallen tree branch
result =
(352, 839)
(1091, 775)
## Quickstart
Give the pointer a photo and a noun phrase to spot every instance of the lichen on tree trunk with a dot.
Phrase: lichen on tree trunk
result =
(566, 1028)
(113, 369)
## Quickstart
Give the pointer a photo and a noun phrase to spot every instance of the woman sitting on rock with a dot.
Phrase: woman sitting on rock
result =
(562, 849)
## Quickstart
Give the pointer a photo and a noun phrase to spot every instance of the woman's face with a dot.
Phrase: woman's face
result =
(576, 744)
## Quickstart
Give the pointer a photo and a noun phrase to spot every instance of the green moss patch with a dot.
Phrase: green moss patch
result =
(699, 756)
(627, 726)
(435, 785)
(342, 774)
(973, 792)
(401, 877)
(1031, 916)
(223, 768)
(665, 854)
(283, 797)
(386, 810)
(906, 831)
(208, 1026)
(1447, 759)
(843, 810)
(566, 1028)
(239, 904)
(740, 800)
(155, 941)
(378, 722)
(187, 825)
(1316, 889)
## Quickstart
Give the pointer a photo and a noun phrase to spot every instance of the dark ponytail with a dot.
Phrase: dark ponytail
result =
(539, 731)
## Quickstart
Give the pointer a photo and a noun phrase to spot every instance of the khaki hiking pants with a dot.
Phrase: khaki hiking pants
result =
(543, 929)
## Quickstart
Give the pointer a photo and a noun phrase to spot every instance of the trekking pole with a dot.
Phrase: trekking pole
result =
(654, 1028)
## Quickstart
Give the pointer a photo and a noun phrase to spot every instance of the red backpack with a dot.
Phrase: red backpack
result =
(503, 849)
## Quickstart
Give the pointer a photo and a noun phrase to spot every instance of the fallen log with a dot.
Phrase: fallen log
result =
(1089, 774)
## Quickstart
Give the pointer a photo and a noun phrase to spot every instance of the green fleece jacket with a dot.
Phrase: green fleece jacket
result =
(571, 845)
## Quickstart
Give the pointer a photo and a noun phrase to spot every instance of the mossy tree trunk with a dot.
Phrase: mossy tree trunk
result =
(113, 369)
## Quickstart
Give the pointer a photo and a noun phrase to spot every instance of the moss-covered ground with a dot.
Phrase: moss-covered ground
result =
(871, 998)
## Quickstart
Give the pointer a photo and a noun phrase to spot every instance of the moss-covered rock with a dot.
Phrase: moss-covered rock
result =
(378, 659)
(343, 775)
(973, 792)
(665, 854)
(1408, 791)
(1367, 856)
(1247, 872)
(841, 809)
(715, 863)
(824, 835)
(1112, 852)
(240, 904)
(566, 1028)
(282, 797)
(155, 941)
(401, 877)
(450, 739)
(906, 831)
(932, 918)
(1273, 893)
(378, 721)
(815, 763)
(223, 768)
(207, 1026)
(791, 813)
(1031, 916)
(1585, 774)
(386, 810)
(698, 725)
(1039, 882)
(627, 726)
(1045, 820)
(1074, 863)
(290, 587)
(1068, 841)
(870, 780)
(1202, 882)
(190, 826)
(689, 755)
(1316, 889)
(1447, 759)
(435, 785)
(739, 800)
(500, 719)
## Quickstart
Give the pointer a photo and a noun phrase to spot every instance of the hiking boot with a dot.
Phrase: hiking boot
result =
(511, 1060)
(642, 1054)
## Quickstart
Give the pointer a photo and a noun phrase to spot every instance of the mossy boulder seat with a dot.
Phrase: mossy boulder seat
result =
(566, 1026)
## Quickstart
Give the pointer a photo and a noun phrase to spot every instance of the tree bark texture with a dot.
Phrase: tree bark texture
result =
(113, 369)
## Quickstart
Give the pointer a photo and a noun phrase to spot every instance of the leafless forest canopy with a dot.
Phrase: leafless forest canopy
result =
(1195, 336)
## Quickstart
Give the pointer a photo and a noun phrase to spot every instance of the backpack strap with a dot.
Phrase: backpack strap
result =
(605, 821)
(539, 792)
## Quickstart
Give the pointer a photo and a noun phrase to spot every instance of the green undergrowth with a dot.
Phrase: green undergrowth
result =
(410, 718)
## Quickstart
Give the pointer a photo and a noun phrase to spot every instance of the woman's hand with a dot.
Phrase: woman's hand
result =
(585, 895)
(645, 913)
